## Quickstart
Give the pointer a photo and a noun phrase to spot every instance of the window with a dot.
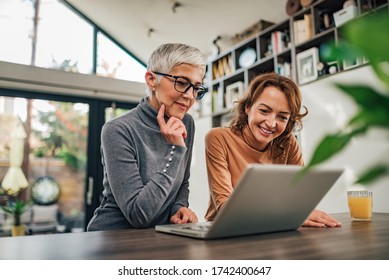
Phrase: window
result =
(64, 40)
(16, 25)
(113, 62)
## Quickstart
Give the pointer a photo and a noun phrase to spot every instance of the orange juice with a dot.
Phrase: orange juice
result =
(360, 204)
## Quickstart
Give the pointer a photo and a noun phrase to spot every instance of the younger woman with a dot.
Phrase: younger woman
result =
(262, 131)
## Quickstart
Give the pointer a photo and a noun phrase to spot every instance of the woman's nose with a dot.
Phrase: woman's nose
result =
(271, 121)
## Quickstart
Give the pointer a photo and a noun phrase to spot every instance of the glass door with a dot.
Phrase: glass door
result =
(54, 156)
(61, 156)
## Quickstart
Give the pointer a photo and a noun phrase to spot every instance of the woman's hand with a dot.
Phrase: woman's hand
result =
(184, 215)
(173, 130)
(320, 219)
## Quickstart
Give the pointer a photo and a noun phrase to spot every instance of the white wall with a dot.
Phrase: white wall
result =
(199, 191)
(329, 109)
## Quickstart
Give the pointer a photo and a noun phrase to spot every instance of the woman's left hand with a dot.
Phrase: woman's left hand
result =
(320, 219)
(184, 215)
(173, 130)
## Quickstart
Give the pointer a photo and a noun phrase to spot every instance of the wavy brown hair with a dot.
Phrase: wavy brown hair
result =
(255, 89)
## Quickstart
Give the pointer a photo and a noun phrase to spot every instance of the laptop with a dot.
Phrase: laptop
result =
(267, 198)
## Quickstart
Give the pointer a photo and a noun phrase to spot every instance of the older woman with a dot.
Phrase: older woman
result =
(147, 152)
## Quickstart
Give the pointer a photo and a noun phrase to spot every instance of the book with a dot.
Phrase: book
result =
(302, 29)
(277, 41)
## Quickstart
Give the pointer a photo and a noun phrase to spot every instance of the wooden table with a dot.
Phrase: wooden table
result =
(354, 240)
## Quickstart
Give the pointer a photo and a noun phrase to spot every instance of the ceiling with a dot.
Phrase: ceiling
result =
(194, 22)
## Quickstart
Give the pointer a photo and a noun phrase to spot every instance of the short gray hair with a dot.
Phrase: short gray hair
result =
(167, 56)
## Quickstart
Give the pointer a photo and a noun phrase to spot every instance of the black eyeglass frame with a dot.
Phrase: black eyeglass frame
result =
(191, 85)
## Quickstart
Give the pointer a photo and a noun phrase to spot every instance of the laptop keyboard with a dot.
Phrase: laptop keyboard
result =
(199, 227)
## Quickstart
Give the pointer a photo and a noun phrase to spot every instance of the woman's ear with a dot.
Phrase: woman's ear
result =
(246, 109)
(150, 80)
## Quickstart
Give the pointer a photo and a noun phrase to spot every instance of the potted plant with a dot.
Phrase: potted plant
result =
(16, 209)
(365, 37)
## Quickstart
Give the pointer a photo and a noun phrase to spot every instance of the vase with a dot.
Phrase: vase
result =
(19, 230)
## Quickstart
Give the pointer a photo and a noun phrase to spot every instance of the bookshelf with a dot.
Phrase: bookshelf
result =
(283, 48)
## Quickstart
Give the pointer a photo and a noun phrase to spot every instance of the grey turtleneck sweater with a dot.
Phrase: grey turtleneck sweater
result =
(146, 179)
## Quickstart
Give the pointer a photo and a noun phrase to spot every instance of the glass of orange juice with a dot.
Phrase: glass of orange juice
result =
(360, 204)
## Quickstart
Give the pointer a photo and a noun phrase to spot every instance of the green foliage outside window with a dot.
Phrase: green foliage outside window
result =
(64, 135)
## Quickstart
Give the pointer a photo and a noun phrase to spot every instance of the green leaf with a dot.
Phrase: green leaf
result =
(329, 146)
(332, 144)
(372, 174)
(365, 96)
(17, 208)
(338, 51)
(370, 34)
(377, 118)
(374, 106)
(380, 71)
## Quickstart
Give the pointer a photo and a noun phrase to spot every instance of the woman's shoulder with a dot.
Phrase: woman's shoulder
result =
(220, 133)
(117, 120)
(122, 122)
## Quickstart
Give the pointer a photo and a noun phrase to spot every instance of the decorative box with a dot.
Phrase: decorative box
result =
(345, 14)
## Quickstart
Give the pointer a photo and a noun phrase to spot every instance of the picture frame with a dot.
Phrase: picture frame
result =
(307, 65)
(233, 93)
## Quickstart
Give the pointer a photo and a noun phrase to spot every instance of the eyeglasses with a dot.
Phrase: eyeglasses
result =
(182, 85)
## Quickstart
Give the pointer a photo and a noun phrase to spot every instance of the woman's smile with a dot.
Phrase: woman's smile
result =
(265, 131)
